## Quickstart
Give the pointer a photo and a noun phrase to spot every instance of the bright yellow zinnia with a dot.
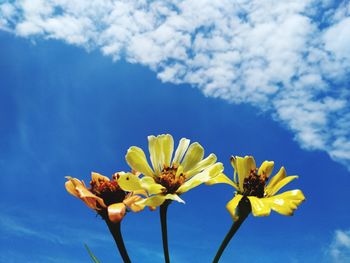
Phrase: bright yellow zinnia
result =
(171, 175)
(105, 196)
(251, 183)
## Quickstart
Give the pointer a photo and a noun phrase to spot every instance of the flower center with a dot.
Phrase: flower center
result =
(169, 180)
(254, 184)
(109, 191)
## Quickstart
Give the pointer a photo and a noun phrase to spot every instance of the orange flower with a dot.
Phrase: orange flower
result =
(105, 196)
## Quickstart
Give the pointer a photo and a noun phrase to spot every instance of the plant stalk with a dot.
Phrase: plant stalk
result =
(244, 210)
(163, 222)
(114, 228)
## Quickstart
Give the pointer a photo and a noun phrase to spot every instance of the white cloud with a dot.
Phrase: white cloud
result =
(290, 58)
(339, 249)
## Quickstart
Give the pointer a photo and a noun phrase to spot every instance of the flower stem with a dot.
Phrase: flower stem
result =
(114, 228)
(163, 222)
(244, 210)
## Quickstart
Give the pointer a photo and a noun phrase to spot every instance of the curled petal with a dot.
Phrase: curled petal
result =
(193, 155)
(180, 151)
(131, 202)
(232, 206)
(78, 189)
(70, 186)
(116, 212)
(266, 168)
(136, 159)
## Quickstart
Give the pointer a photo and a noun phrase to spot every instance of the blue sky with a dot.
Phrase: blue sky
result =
(67, 110)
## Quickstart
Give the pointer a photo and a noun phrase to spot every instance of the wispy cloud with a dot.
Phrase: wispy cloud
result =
(44, 227)
(288, 58)
(339, 249)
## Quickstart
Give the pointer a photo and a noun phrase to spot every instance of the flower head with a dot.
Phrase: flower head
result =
(252, 184)
(105, 196)
(170, 176)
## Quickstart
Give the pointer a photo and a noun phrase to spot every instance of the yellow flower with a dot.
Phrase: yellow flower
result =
(105, 196)
(251, 183)
(170, 176)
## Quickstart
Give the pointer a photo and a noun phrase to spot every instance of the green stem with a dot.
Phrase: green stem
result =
(114, 228)
(244, 210)
(163, 222)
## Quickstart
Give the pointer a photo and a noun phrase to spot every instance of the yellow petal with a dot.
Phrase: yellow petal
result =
(158, 200)
(116, 212)
(70, 186)
(128, 181)
(205, 163)
(135, 207)
(180, 150)
(221, 179)
(156, 154)
(280, 184)
(131, 183)
(153, 201)
(151, 186)
(286, 202)
(136, 159)
(174, 197)
(233, 161)
(140, 192)
(193, 155)
(244, 166)
(260, 207)
(232, 205)
(266, 168)
(200, 178)
(179, 171)
(274, 180)
(167, 145)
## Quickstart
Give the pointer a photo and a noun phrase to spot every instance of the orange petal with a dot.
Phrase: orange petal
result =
(79, 190)
(97, 178)
(71, 188)
(130, 202)
(116, 212)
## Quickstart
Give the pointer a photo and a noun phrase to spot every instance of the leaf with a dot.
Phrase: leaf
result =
(93, 257)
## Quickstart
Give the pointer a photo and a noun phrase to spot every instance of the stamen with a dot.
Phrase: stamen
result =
(109, 191)
(254, 184)
(170, 179)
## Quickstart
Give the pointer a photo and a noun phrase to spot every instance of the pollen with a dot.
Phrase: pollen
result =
(109, 191)
(170, 180)
(254, 184)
